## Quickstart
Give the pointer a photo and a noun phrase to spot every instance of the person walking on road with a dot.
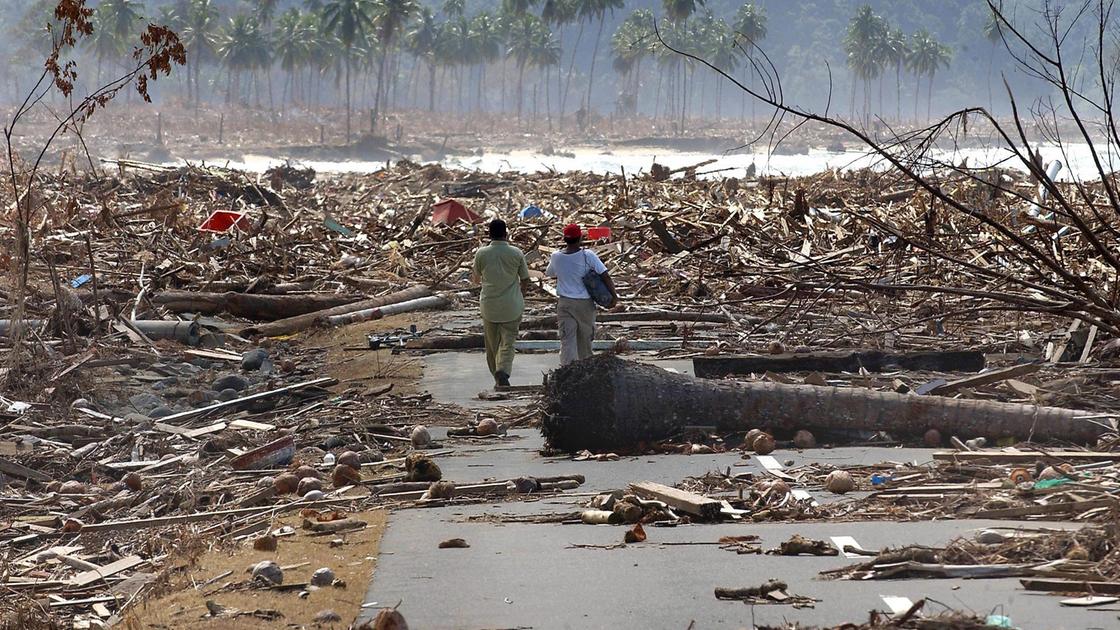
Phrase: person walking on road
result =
(575, 309)
(503, 273)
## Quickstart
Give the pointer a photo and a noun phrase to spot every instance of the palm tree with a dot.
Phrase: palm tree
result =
(243, 47)
(199, 34)
(861, 44)
(559, 14)
(421, 42)
(720, 48)
(454, 8)
(681, 10)
(293, 41)
(389, 18)
(895, 50)
(486, 47)
(350, 21)
(927, 56)
(596, 10)
(546, 54)
(524, 36)
(115, 22)
(994, 35)
(631, 43)
(750, 26)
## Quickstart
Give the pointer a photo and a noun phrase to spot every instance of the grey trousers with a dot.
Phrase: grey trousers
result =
(576, 320)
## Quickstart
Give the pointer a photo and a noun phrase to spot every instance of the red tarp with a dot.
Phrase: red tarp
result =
(450, 211)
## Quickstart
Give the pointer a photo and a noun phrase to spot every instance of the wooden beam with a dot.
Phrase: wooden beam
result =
(1024, 457)
(1049, 508)
(23, 472)
(688, 502)
(986, 378)
(1070, 586)
(89, 577)
(192, 413)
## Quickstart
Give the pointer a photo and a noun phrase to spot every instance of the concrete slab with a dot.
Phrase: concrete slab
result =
(518, 575)
(458, 377)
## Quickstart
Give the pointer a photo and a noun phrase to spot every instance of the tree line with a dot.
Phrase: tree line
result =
(519, 56)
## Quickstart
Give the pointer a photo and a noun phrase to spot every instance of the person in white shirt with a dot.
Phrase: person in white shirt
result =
(575, 310)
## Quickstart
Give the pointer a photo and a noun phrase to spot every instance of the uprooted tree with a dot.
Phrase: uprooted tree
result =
(156, 52)
(1050, 249)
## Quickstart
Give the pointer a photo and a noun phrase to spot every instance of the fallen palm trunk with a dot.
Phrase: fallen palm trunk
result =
(301, 322)
(870, 360)
(250, 305)
(156, 329)
(606, 403)
(432, 301)
(549, 321)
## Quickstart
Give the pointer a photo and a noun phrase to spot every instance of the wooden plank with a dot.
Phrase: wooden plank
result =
(207, 430)
(986, 378)
(1049, 508)
(1070, 586)
(89, 577)
(688, 502)
(212, 354)
(23, 472)
(254, 426)
(1088, 344)
(192, 413)
(1024, 457)
(100, 610)
(870, 360)
(1060, 349)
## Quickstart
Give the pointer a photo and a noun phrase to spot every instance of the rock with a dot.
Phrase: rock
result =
(81, 403)
(804, 439)
(166, 383)
(268, 571)
(265, 482)
(421, 438)
(839, 482)
(202, 396)
(137, 419)
(454, 543)
(227, 395)
(145, 402)
(350, 458)
(525, 485)
(236, 382)
(307, 484)
(345, 476)
(932, 438)
(315, 495)
(334, 441)
(372, 456)
(133, 481)
(253, 359)
(326, 616)
(488, 426)
(286, 483)
(322, 577)
(161, 412)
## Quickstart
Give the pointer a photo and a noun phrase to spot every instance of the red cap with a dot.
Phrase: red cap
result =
(572, 231)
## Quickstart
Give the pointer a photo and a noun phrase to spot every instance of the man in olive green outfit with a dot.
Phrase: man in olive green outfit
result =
(501, 269)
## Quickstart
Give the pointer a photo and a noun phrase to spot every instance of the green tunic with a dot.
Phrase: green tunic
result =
(502, 268)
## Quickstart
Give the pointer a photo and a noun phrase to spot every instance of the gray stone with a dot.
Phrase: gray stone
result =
(327, 616)
(322, 577)
(161, 412)
(269, 571)
(371, 456)
(227, 395)
(253, 359)
(230, 381)
(334, 441)
(145, 402)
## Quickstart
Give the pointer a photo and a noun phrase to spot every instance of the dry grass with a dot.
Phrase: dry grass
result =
(353, 563)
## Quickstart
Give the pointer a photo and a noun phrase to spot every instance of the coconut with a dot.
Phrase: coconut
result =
(488, 426)
(776, 347)
(932, 438)
(441, 490)
(1050, 473)
(72, 526)
(307, 484)
(307, 471)
(763, 444)
(133, 481)
(389, 619)
(804, 439)
(286, 483)
(267, 542)
(420, 436)
(748, 440)
(350, 458)
(345, 476)
(72, 487)
(839, 482)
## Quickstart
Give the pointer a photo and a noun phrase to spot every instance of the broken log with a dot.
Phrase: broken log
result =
(291, 325)
(407, 306)
(687, 502)
(249, 305)
(870, 360)
(605, 403)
